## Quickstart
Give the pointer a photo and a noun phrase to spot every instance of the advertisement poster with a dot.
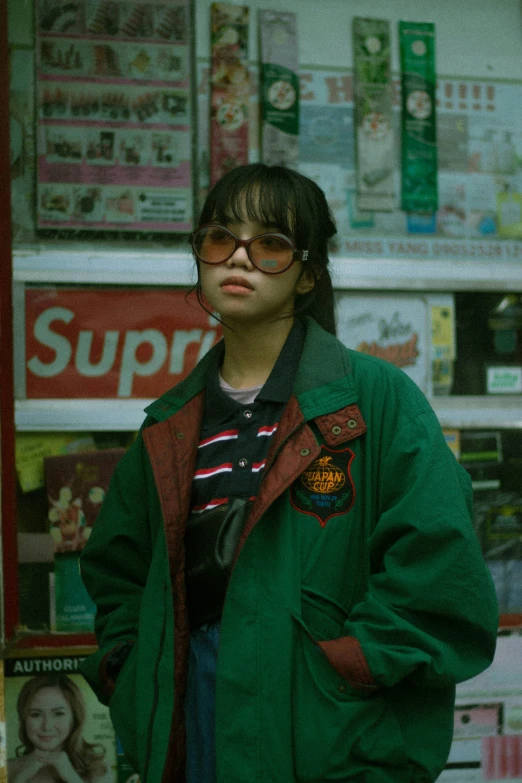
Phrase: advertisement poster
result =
(479, 139)
(114, 115)
(78, 740)
(487, 738)
(112, 343)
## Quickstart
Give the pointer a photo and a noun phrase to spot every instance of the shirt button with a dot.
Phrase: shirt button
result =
(247, 414)
(336, 430)
(242, 462)
(352, 424)
(304, 452)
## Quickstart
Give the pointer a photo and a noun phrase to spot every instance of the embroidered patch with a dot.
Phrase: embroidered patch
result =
(325, 489)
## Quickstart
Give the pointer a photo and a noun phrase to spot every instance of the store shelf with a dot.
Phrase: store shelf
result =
(127, 415)
(152, 265)
(149, 264)
(479, 412)
(96, 415)
(26, 639)
(130, 265)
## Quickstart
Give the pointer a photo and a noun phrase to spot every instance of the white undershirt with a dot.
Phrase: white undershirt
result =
(244, 396)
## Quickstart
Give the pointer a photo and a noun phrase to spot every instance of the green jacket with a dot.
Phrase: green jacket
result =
(361, 539)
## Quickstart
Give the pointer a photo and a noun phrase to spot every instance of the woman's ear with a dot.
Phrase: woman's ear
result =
(306, 282)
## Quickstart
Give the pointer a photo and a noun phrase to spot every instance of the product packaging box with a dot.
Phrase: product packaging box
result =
(126, 774)
(76, 485)
(487, 737)
(72, 610)
(55, 725)
(3, 739)
(498, 522)
(35, 569)
(416, 333)
(33, 447)
(481, 456)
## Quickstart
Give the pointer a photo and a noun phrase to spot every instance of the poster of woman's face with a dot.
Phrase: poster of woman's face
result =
(56, 728)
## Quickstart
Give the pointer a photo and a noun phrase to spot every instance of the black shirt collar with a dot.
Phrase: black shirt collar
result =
(279, 384)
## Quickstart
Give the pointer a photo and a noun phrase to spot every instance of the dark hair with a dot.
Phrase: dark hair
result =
(275, 195)
(86, 758)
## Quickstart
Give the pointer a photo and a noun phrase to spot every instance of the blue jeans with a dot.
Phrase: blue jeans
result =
(200, 704)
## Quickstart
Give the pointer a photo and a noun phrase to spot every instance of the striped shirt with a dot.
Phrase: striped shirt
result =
(235, 437)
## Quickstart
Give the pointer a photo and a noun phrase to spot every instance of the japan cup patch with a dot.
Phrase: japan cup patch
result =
(325, 489)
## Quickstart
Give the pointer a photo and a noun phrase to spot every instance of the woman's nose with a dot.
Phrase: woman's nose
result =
(240, 258)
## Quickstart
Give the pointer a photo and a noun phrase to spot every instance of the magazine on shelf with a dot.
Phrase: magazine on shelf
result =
(43, 687)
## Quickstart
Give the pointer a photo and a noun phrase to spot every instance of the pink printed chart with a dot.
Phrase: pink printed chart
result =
(114, 115)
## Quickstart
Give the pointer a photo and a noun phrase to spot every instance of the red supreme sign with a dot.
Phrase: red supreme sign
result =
(125, 342)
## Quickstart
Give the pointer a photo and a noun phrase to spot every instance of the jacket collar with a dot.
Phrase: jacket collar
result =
(323, 382)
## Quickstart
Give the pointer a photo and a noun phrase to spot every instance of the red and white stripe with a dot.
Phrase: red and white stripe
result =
(226, 435)
(211, 504)
(203, 473)
(267, 430)
(257, 466)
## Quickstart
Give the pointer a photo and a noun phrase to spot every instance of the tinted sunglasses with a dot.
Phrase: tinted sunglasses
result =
(271, 253)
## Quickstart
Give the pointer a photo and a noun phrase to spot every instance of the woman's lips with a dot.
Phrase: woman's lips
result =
(236, 285)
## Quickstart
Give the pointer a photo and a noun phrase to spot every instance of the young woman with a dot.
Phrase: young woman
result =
(51, 714)
(293, 504)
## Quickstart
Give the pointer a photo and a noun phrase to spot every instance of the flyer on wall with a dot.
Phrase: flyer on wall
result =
(114, 115)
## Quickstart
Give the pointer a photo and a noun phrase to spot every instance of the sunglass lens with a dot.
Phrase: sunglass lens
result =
(213, 244)
(271, 254)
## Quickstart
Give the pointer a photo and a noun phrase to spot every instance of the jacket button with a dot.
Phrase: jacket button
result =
(304, 452)
(247, 414)
(243, 462)
(336, 430)
(179, 435)
(352, 424)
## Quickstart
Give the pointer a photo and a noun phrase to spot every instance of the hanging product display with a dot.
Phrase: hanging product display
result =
(279, 88)
(373, 105)
(419, 131)
(230, 89)
(114, 115)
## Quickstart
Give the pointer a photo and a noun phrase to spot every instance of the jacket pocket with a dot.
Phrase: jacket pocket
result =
(122, 707)
(339, 733)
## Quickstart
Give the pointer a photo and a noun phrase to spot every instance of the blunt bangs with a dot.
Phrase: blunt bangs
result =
(256, 193)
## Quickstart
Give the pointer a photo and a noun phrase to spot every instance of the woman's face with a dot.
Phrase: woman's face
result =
(49, 719)
(241, 293)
